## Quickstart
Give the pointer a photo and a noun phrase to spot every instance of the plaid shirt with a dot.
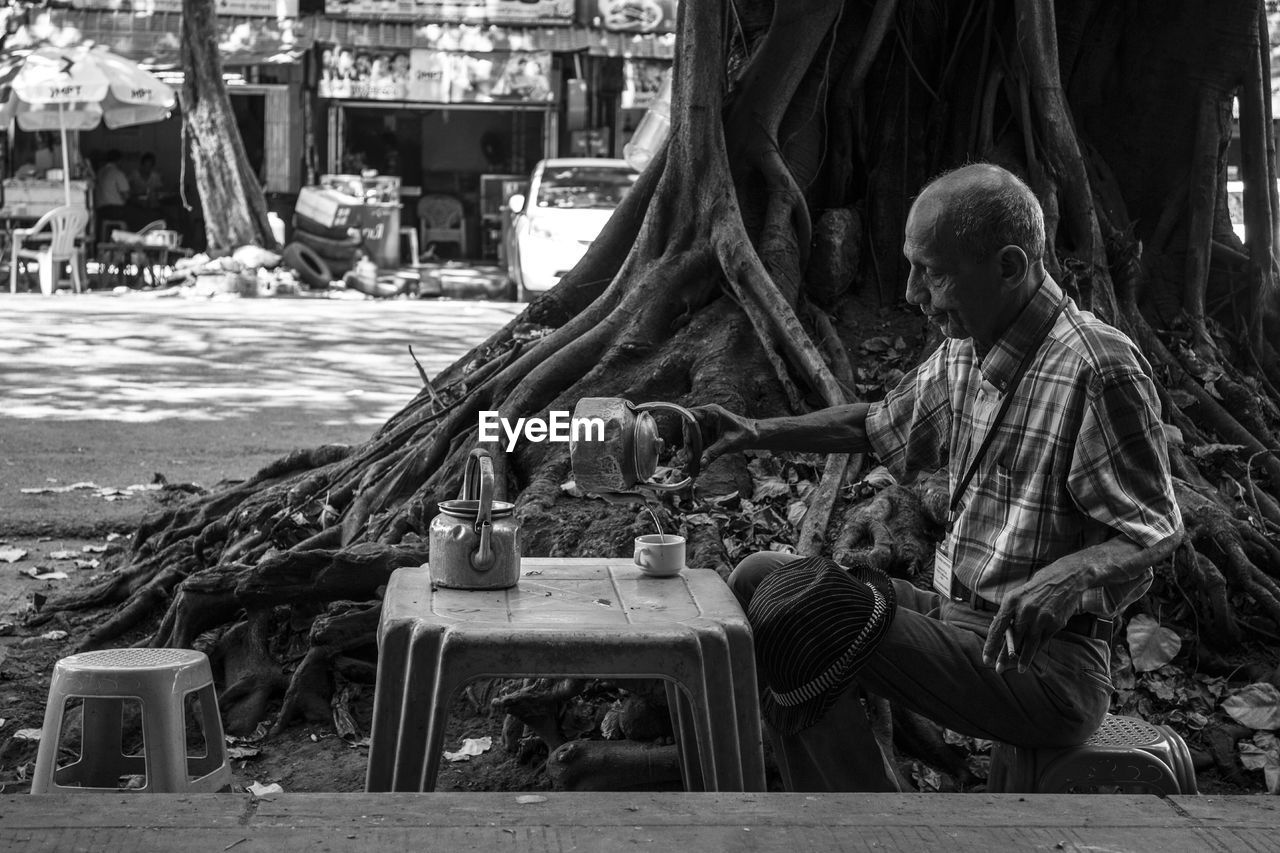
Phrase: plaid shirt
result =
(1079, 457)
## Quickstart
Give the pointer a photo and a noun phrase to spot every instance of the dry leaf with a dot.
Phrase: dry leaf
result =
(1150, 644)
(12, 555)
(1256, 706)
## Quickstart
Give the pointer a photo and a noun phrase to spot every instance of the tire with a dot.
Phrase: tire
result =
(309, 266)
(338, 250)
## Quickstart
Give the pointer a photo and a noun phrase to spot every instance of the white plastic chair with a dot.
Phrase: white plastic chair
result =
(65, 224)
(441, 220)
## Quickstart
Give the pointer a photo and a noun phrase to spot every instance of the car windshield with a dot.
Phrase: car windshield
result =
(600, 187)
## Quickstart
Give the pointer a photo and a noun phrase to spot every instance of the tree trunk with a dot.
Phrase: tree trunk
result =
(235, 209)
(711, 284)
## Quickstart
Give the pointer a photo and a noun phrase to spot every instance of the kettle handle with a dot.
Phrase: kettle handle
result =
(477, 485)
(693, 446)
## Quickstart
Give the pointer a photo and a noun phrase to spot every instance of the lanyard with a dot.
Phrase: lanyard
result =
(1032, 348)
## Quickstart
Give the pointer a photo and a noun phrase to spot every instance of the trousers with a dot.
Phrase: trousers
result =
(930, 662)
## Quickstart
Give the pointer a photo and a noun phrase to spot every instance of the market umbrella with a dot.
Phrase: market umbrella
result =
(77, 87)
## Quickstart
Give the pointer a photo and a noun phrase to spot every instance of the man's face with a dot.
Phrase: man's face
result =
(960, 295)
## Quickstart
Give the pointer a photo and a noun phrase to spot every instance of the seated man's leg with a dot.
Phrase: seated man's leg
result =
(934, 667)
(748, 574)
(930, 661)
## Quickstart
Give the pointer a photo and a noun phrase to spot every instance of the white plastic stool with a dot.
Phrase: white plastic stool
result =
(160, 681)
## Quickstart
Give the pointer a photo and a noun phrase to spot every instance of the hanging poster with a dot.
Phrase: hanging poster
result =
(435, 76)
(458, 77)
(509, 12)
(364, 73)
(632, 16)
(642, 78)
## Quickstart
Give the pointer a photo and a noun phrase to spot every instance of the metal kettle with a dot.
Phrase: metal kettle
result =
(626, 455)
(475, 540)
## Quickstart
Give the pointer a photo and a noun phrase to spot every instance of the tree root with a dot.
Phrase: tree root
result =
(251, 675)
(894, 524)
(604, 765)
(346, 625)
(538, 705)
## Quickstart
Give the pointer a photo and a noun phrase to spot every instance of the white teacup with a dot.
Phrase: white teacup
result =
(660, 554)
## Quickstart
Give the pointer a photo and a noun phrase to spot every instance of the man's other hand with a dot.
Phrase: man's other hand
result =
(722, 432)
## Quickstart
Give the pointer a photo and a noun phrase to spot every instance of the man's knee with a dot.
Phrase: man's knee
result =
(748, 574)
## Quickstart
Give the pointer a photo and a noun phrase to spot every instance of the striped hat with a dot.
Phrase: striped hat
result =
(814, 624)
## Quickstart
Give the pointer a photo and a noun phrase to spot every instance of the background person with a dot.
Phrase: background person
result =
(111, 193)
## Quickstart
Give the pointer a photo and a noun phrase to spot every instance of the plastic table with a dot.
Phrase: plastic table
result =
(583, 617)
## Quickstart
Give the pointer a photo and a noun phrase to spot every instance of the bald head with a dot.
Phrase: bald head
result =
(988, 208)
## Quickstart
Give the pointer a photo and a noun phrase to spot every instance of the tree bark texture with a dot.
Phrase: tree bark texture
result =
(235, 209)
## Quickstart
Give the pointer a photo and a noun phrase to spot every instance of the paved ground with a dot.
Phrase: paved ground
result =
(111, 390)
(114, 389)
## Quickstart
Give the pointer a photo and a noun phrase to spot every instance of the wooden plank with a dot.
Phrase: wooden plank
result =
(609, 821)
(667, 809)
(1248, 811)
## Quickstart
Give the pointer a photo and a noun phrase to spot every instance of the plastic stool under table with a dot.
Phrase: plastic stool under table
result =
(159, 680)
(568, 618)
(1125, 755)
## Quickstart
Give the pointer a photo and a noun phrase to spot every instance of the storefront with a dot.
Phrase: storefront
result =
(262, 43)
(446, 107)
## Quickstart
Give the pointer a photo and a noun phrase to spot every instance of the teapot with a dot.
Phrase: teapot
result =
(627, 454)
(475, 540)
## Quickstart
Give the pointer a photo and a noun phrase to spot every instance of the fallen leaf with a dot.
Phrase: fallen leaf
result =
(239, 752)
(1263, 754)
(62, 555)
(44, 574)
(470, 746)
(1200, 451)
(57, 490)
(260, 790)
(795, 512)
(98, 549)
(526, 799)
(1151, 645)
(27, 734)
(1256, 706)
(12, 555)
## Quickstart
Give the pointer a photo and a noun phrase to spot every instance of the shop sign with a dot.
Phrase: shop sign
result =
(435, 76)
(244, 8)
(630, 16)
(642, 78)
(510, 12)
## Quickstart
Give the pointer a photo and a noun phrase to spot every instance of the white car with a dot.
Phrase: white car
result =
(569, 201)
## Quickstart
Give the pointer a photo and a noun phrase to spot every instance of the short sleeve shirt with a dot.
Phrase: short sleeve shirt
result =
(1079, 457)
(112, 187)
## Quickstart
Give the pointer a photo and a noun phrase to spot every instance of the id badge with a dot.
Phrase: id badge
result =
(942, 568)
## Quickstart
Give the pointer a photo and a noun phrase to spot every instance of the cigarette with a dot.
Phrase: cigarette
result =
(1008, 642)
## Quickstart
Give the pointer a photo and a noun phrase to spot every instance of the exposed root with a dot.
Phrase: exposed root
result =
(538, 705)
(346, 625)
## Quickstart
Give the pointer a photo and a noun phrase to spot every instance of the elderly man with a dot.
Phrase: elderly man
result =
(1050, 425)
